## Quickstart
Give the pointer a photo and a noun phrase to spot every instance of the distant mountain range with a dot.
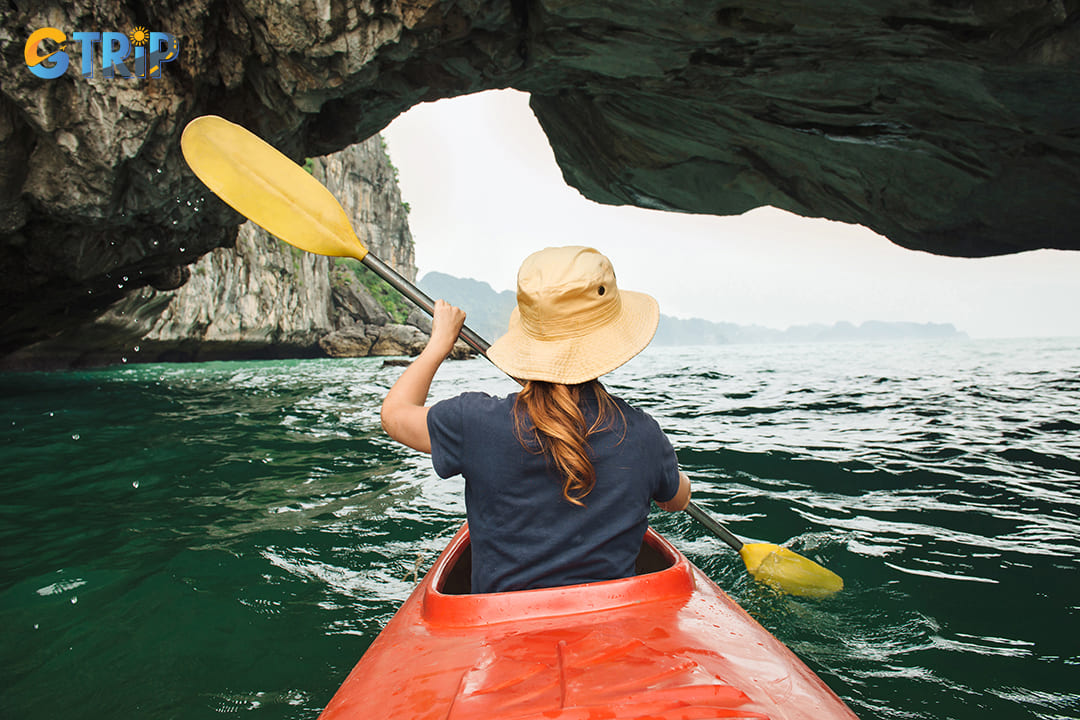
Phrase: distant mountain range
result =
(489, 311)
(486, 311)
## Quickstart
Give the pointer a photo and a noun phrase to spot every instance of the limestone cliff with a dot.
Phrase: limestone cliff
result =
(262, 297)
(949, 127)
(364, 181)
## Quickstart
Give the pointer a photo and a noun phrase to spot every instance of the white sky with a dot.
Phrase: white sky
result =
(485, 192)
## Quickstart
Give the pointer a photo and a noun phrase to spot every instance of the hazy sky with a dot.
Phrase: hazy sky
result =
(485, 192)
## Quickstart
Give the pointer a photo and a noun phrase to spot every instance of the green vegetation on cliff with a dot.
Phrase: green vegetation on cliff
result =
(391, 300)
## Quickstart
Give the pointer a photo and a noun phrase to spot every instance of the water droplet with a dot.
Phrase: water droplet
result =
(159, 171)
(74, 600)
(136, 348)
(123, 359)
(119, 286)
(75, 436)
(189, 203)
(135, 484)
(125, 278)
(174, 222)
(181, 249)
(35, 626)
(153, 243)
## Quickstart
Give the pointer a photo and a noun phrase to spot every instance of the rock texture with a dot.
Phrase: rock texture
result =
(262, 298)
(949, 127)
(364, 181)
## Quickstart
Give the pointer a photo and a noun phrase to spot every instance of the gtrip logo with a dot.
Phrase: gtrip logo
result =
(47, 57)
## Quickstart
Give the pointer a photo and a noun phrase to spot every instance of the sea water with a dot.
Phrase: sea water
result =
(226, 539)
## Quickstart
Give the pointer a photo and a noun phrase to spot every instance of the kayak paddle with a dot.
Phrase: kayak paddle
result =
(268, 188)
(775, 565)
(275, 193)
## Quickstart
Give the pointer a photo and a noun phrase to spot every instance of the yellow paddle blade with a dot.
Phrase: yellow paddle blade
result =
(788, 571)
(268, 188)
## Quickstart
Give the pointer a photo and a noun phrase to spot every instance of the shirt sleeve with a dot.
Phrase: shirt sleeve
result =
(668, 473)
(447, 431)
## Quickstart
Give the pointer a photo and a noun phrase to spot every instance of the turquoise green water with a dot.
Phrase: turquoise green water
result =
(226, 539)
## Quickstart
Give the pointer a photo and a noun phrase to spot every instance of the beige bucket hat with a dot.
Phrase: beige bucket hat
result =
(572, 324)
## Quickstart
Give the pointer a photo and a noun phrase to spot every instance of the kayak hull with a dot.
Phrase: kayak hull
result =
(667, 644)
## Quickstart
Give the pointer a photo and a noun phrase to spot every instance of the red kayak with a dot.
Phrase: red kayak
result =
(667, 644)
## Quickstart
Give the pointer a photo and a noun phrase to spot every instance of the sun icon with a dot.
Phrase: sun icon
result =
(139, 36)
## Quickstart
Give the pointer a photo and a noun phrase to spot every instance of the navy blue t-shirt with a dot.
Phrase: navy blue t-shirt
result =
(524, 533)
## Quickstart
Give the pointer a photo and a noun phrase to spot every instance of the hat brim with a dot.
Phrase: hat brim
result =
(580, 359)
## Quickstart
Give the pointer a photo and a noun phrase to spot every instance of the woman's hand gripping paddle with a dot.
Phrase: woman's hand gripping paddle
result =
(275, 193)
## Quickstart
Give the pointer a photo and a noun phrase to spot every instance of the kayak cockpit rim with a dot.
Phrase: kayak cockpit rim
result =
(664, 574)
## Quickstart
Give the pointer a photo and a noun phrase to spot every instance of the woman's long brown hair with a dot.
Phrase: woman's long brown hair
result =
(548, 419)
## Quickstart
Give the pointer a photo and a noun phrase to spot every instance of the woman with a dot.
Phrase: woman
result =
(559, 476)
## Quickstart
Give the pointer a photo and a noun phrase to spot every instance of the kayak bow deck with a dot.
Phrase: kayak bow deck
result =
(666, 644)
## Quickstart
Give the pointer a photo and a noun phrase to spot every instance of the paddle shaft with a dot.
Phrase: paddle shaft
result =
(715, 527)
(420, 299)
(478, 343)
